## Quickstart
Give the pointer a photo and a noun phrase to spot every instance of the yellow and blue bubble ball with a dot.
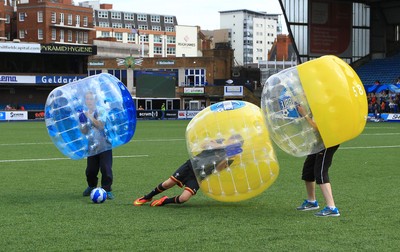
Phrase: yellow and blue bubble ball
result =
(330, 92)
(67, 120)
(230, 151)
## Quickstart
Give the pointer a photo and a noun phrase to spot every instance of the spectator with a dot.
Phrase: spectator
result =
(383, 106)
(140, 107)
(376, 110)
(162, 111)
(391, 105)
(373, 98)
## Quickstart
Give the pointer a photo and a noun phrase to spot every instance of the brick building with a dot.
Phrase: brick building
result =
(49, 21)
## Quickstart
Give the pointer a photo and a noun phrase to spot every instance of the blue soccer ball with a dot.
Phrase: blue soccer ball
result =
(98, 195)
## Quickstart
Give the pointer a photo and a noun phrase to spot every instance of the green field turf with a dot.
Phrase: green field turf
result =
(42, 208)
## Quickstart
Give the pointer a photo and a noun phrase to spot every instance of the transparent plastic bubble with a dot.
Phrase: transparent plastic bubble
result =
(329, 91)
(281, 95)
(90, 116)
(230, 151)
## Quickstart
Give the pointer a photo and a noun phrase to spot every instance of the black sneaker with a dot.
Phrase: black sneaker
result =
(307, 205)
(87, 191)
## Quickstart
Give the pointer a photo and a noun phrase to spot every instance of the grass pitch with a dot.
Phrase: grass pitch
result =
(42, 208)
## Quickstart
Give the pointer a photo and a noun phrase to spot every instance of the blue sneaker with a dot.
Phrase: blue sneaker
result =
(87, 191)
(327, 211)
(307, 205)
(110, 196)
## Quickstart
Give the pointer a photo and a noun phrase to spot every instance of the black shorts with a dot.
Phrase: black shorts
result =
(184, 176)
(316, 166)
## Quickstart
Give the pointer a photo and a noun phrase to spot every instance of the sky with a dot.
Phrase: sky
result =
(204, 13)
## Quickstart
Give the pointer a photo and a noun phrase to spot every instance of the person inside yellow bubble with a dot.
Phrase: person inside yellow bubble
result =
(315, 171)
(216, 156)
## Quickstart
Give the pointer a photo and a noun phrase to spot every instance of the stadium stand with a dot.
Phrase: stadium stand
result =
(386, 70)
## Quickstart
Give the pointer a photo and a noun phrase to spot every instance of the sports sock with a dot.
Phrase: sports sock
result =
(157, 190)
(174, 200)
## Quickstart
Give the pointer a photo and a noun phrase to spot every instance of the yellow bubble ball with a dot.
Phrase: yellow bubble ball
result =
(336, 97)
(330, 93)
(231, 152)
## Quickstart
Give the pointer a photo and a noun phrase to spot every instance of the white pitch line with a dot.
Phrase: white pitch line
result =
(16, 144)
(370, 147)
(54, 159)
(159, 140)
(380, 134)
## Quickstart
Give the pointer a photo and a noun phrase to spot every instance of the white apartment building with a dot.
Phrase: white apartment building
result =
(154, 31)
(252, 33)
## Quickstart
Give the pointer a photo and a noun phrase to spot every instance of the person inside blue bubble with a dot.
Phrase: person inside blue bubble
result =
(216, 156)
(92, 121)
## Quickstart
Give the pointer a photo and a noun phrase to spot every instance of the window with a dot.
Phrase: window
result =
(118, 36)
(155, 19)
(131, 37)
(143, 27)
(53, 34)
(21, 16)
(115, 15)
(94, 72)
(116, 25)
(120, 74)
(194, 76)
(156, 28)
(53, 17)
(157, 50)
(128, 26)
(69, 19)
(69, 36)
(169, 20)
(169, 28)
(171, 39)
(61, 35)
(21, 34)
(104, 24)
(85, 37)
(62, 18)
(157, 39)
(40, 16)
(171, 50)
(129, 16)
(105, 34)
(103, 14)
(40, 34)
(7, 19)
(78, 20)
(144, 38)
(142, 17)
(85, 21)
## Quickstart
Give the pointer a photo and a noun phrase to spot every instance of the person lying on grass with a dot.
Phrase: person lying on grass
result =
(216, 156)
